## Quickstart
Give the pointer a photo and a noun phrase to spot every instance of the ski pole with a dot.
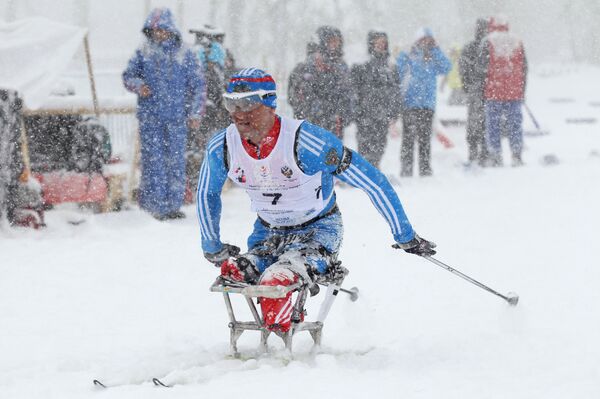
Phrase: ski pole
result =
(353, 292)
(512, 298)
(535, 122)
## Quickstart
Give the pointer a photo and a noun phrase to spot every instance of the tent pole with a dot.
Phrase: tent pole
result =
(26, 174)
(88, 60)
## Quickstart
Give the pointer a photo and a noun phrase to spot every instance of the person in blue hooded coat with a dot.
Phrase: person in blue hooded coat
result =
(418, 71)
(168, 80)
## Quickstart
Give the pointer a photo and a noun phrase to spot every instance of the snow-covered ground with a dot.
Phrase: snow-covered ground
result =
(124, 298)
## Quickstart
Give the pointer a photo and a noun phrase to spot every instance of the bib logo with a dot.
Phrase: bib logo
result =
(239, 175)
(287, 172)
(263, 171)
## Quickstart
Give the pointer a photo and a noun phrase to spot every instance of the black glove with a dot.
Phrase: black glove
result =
(227, 251)
(417, 246)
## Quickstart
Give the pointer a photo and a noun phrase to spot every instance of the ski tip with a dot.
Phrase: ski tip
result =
(99, 384)
(159, 383)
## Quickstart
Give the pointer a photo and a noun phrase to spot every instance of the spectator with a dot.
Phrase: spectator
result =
(328, 101)
(211, 54)
(20, 193)
(377, 90)
(503, 61)
(298, 81)
(473, 82)
(211, 34)
(169, 83)
(418, 71)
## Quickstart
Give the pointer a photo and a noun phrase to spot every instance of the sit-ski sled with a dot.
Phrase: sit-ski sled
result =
(332, 280)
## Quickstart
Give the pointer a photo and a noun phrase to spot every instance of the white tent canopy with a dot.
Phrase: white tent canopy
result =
(33, 53)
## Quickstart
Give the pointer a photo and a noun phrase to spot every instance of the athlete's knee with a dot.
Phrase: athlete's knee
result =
(277, 312)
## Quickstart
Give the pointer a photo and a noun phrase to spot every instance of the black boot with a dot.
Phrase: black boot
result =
(175, 215)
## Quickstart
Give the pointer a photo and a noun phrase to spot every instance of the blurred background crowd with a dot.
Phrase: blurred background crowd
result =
(178, 75)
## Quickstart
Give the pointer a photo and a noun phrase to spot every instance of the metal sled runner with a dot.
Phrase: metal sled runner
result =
(332, 280)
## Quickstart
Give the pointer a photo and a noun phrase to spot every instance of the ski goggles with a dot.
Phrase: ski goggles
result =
(245, 102)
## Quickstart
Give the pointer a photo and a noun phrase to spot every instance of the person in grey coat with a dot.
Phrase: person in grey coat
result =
(378, 100)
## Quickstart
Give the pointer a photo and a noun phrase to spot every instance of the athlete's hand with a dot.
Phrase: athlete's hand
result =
(145, 91)
(225, 253)
(417, 246)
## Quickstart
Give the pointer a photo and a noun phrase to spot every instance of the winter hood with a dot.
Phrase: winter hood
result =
(481, 29)
(497, 24)
(422, 33)
(161, 18)
(326, 33)
(374, 35)
(504, 43)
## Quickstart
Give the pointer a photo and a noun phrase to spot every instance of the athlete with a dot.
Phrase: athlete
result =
(287, 167)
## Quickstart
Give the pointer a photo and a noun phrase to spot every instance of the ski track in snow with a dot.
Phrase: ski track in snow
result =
(124, 298)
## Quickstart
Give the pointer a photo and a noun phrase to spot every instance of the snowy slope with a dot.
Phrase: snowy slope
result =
(124, 298)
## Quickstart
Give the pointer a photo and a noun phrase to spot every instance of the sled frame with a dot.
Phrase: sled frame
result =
(237, 328)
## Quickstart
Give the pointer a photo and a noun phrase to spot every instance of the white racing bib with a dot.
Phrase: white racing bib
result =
(279, 191)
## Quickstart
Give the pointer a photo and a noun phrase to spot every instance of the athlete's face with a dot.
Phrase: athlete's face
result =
(254, 124)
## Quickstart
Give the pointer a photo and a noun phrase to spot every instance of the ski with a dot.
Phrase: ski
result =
(159, 383)
(99, 384)
(156, 381)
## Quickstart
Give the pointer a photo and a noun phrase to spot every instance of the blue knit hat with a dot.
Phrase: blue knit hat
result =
(250, 80)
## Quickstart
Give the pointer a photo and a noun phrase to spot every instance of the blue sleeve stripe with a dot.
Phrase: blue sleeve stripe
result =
(312, 140)
(215, 141)
(313, 137)
(308, 147)
(203, 207)
(377, 196)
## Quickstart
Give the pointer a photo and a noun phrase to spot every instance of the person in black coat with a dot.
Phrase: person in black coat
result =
(299, 81)
(473, 79)
(328, 97)
(376, 88)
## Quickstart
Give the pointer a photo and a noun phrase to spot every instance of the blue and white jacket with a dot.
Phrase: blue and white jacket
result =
(317, 150)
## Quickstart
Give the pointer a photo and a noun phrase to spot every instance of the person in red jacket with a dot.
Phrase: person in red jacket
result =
(505, 66)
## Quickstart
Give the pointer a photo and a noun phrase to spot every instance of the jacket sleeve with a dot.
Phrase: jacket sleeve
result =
(525, 70)
(346, 96)
(395, 106)
(133, 76)
(213, 174)
(361, 174)
(480, 67)
(356, 85)
(465, 67)
(320, 150)
(442, 64)
(195, 86)
(292, 90)
(402, 65)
